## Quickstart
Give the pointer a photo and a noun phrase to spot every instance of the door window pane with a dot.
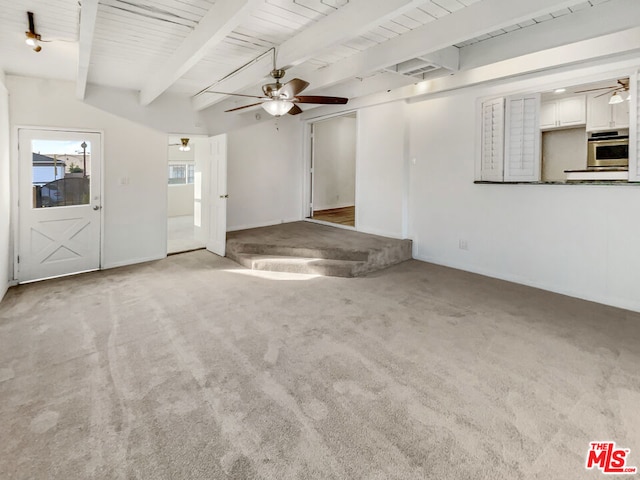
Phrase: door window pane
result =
(61, 172)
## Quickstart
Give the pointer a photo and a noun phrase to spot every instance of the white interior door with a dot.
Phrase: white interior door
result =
(218, 204)
(201, 190)
(59, 203)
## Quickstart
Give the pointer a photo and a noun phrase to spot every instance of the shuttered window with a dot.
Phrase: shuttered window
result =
(522, 139)
(492, 155)
(634, 138)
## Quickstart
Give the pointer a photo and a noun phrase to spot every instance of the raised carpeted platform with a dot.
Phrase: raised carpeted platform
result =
(306, 247)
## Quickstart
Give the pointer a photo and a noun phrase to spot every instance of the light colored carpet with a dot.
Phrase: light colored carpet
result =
(194, 368)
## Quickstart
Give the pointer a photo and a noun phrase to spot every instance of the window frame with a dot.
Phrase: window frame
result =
(189, 170)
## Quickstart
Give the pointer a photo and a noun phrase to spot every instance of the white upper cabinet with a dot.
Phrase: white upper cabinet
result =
(563, 113)
(602, 116)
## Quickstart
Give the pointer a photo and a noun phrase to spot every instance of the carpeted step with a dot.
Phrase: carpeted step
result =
(305, 247)
(311, 266)
(333, 253)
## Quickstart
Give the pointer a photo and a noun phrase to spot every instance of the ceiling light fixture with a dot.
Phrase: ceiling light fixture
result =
(184, 145)
(560, 90)
(277, 107)
(616, 98)
(33, 39)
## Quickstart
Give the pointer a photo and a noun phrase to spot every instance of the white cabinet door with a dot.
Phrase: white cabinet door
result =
(620, 114)
(571, 111)
(599, 112)
(548, 115)
(564, 112)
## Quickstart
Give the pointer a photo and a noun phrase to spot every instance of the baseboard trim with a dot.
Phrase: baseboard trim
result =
(329, 224)
(262, 224)
(345, 205)
(132, 262)
(604, 300)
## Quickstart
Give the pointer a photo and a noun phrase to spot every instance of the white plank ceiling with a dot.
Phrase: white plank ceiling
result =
(133, 39)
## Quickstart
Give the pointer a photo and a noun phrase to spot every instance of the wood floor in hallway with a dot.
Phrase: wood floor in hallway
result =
(343, 216)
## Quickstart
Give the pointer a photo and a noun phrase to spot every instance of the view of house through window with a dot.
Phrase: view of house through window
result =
(60, 172)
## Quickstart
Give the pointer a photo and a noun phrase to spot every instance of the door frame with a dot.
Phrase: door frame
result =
(15, 189)
(201, 144)
(307, 174)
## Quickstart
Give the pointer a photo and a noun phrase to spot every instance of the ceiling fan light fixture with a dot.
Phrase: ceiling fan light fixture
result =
(277, 107)
(33, 38)
(184, 147)
(616, 98)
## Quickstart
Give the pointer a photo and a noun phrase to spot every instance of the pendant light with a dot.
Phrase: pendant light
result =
(616, 98)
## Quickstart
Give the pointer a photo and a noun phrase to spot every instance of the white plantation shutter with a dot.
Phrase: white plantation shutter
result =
(522, 139)
(492, 155)
(634, 138)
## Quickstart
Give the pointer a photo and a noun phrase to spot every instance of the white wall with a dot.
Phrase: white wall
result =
(6, 265)
(580, 240)
(563, 150)
(381, 163)
(264, 176)
(334, 163)
(169, 112)
(135, 210)
(180, 201)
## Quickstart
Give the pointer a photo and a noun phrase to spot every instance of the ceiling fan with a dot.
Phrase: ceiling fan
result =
(279, 99)
(622, 86)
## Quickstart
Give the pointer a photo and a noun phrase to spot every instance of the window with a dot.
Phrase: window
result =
(181, 173)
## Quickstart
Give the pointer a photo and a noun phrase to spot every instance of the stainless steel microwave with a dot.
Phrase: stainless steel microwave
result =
(608, 151)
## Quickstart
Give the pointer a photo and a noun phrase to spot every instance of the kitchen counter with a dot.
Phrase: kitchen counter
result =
(617, 183)
(601, 173)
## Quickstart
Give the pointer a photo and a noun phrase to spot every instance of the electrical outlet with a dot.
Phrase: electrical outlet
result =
(463, 245)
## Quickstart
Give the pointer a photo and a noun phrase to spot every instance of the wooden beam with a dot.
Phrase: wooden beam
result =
(355, 18)
(470, 22)
(223, 17)
(603, 19)
(561, 61)
(88, 16)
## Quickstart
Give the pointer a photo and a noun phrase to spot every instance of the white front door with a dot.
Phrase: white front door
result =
(218, 198)
(59, 203)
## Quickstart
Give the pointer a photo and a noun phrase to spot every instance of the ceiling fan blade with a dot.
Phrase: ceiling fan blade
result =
(594, 89)
(295, 110)
(321, 100)
(233, 94)
(245, 106)
(293, 88)
(619, 89)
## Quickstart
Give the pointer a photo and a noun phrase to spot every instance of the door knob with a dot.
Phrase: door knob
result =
(96, 207)
(224, 196)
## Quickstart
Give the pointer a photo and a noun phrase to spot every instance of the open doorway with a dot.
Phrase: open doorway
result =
(185, 220)
(333, 172)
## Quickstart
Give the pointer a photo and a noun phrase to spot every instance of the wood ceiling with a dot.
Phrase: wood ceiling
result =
(184, 46)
